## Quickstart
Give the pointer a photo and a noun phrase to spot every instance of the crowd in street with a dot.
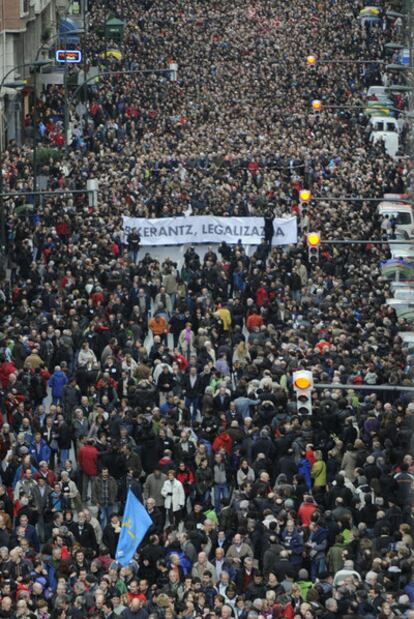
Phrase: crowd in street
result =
(121, 371)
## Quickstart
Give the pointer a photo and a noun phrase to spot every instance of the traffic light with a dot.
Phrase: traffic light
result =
(304, 199)
(303, 385)
(313, 240)
(305, 195)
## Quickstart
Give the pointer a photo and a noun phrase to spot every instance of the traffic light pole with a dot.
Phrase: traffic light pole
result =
(64, 192)
(366, 241)
(371, 388)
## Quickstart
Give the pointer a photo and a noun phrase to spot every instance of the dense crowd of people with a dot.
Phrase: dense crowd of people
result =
(120, 371)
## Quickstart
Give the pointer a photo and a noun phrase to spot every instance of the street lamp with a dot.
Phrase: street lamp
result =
(65, 91)
(398, 67)
(72, 33)
(19, 84)
(393, 46)
(64, 36)
(399, 88)
(15, 84)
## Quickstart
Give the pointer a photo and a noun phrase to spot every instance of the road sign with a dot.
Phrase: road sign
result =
(69, 55)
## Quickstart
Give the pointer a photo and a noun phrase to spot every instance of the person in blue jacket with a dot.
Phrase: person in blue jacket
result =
(304, 468)
(56, 382)
(39, 449)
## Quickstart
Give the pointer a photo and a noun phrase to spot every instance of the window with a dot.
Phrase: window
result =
(403, 219)
(24, 8)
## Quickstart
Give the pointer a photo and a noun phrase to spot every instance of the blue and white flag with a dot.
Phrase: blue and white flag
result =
(135, 523)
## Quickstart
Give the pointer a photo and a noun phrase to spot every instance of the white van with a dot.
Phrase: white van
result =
(397, 197)
(390, 139)
(385, 123)
(377, 92)
(386, 128)
(402, 251)
(407, 340)
(405, 285)
(403, 309)
(404, 294)
(403, 214)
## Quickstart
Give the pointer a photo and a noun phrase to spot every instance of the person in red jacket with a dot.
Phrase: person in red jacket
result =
(261, 295)
(223, 441)
(88, 462)
(254, 319)
(306, 509)
(6, 368)
(186, 476)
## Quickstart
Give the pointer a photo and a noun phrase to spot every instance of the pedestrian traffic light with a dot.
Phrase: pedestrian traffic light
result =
(303, 385)
(316, 105)
(313, 241)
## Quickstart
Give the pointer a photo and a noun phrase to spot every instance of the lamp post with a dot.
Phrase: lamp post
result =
(64, 37)
(38, 64)
(15, 84)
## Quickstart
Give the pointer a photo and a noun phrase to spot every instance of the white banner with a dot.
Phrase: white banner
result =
(208, 229)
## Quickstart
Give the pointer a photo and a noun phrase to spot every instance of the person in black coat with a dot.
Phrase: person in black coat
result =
(84, 532)
(149, 556)
(156, 516)
(71, 397)
(111, 534)
(283, 567)
(4, 534)
(64, 439)
(339, 490)
(193, 388)
(257, 588)
(268, 228)
(221, 401)
(264, 445)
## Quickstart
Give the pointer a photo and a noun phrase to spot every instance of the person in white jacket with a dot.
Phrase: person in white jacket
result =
(174, 498)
